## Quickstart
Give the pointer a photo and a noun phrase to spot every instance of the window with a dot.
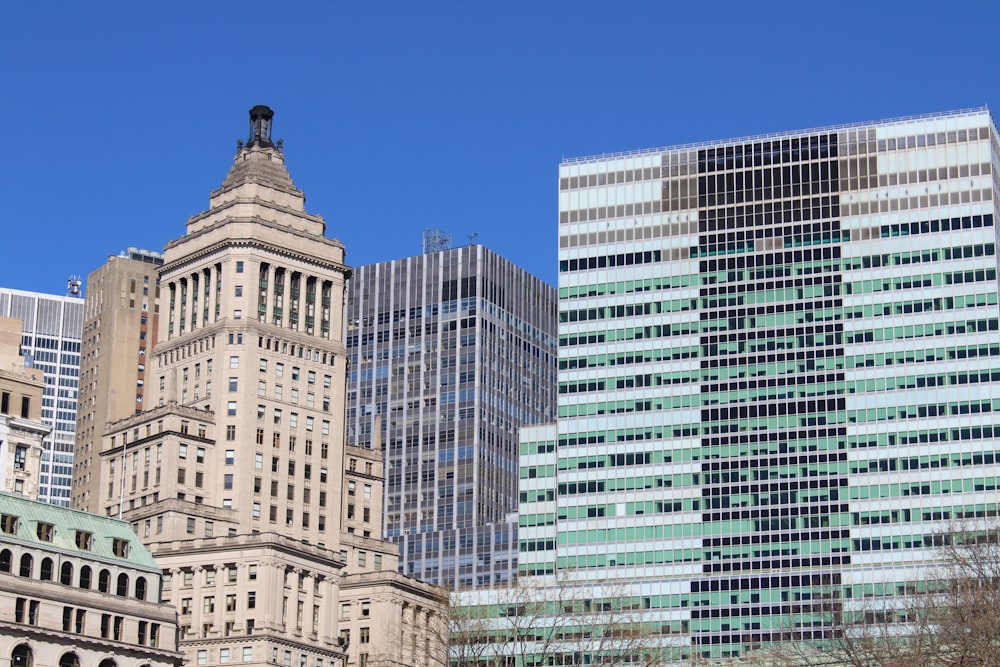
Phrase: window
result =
(312, 377)
(208, 604)
(65, 573)
(345, 611)
(224, 656)
(202, 656)
(366, 609)
(377, 562)
(84, 540)
(122, 589)
(182, 451)
(252, 572)
(20, 457)
(231, 602)
(181, 475)
(230, 456)
(295, 372)
(8, 524)
(247, 654)
(45, 570)
(279, 370)
(227, 481)
(118, 624)
(238, 290)
(351, 486)
(120, 547)
(239, 267)
(362, 559)
(368, 492)
(326, 427)
(234, 362)
(261, 388)
(309, 423)
(256, 510)
(251, 600)
(85, 576)
(190, 526)
(200, 455)
(231, 432)
(237, 314)
(258, 461)
(140, 588)
(364, 635)
(44, 531)
(231, 408)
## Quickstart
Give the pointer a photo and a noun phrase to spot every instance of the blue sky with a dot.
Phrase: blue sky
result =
(120, 118)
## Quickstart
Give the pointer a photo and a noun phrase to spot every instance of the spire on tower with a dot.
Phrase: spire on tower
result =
(260, 126)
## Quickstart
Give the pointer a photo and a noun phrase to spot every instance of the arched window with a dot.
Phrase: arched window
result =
(26, 565)
(122, 584)
(108, 662)
(5, 559)
(85, 576)
(66, 574)
(69, 660)
(140, 588)
(104, 582)
(21, 656)
(45, 571)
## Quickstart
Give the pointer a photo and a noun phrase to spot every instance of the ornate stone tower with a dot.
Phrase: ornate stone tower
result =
(232, 474)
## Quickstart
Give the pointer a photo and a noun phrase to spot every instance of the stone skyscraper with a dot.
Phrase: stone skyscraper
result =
(119, 331)
(234, 472)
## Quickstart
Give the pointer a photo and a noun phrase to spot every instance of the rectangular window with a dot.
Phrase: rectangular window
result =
(202, 656)
(44, 531)
(230, 456)
(239, 267)
(234, 362)
(247, 654)
(84, 540)
(224, 656)
(231, 408)
(8, 524)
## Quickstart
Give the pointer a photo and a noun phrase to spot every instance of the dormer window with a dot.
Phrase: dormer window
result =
(45, 531)
(84, 540)
(120, 547)
(8, 524)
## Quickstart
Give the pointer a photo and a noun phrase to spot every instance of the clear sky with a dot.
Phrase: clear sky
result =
(120, 118)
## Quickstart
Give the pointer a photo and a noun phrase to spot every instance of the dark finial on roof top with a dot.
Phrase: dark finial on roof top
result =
(260, 126)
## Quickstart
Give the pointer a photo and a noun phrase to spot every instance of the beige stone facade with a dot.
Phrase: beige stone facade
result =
(235, 474)
(21, 428)
(119, 332)
(78, 590)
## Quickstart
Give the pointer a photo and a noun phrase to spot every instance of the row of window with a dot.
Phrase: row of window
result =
(85, 580)
(23, 656)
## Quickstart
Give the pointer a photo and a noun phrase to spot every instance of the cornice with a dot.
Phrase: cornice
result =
(201, 254)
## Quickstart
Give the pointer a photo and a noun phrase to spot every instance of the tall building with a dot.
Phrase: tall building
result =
(21, 429)
(120, 314)
(234, 474)
(78, 589)
(779, 375)
(451, 353)
(51, 342)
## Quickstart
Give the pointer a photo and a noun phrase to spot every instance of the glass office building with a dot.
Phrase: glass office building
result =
(779, 374)
(451, 352)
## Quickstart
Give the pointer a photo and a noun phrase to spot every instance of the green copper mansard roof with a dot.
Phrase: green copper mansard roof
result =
(66, 523)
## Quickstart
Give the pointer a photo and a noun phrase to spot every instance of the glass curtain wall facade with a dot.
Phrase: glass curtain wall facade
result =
(779, 374)
(451, 353)
(53, 329)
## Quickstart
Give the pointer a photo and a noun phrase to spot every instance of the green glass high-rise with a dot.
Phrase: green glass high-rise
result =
(779, 374)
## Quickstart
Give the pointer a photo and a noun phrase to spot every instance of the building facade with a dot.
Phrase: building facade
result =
(51, 342)
(21, 429)
(451, 353)
(78, 589)
(120, 313)
(233, 474)
(779, 376)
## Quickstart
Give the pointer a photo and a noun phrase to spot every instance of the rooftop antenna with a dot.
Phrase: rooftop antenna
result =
(472, 238)
(435, 240)
(73, 286)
